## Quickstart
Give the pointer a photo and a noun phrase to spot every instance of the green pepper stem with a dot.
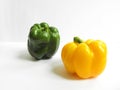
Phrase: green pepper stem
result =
(77, 40)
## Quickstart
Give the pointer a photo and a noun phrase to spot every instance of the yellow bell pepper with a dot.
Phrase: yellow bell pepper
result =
(86, 59)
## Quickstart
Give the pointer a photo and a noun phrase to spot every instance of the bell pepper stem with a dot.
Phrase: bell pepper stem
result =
(77, 40)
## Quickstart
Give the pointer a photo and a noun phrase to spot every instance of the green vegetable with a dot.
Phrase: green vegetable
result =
(43, 41)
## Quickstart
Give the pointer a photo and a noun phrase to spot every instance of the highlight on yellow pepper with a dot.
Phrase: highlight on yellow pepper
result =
(85, 59)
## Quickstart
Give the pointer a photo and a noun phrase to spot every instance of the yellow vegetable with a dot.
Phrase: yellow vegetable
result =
(86, 59)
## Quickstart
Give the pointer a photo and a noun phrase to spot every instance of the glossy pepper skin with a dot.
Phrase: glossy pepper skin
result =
(43, 41)
(86, 59)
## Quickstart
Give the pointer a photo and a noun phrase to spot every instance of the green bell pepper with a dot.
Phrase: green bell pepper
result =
(43, 41)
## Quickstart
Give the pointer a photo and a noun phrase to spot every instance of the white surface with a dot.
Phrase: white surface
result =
(18, 71)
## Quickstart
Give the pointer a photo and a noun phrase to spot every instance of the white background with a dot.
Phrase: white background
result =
(96, 19)
(85, 18)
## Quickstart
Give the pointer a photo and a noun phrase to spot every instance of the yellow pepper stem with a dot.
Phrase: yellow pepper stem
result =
(77, 40)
